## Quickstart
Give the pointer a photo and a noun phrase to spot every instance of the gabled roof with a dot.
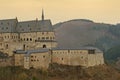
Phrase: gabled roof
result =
(26, 26)
(44, 25)
(34, 26)
(12, 25)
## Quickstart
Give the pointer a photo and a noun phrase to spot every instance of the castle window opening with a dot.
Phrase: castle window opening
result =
(47, 37)
(43, 38)
(27, 39)
(61, 58)
(6, 46)
(30, 39)
(31, 56)
(43, 56)
(91, 51)
(44, 46)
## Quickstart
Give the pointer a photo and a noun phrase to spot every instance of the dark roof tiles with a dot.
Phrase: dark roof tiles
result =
(12, 25)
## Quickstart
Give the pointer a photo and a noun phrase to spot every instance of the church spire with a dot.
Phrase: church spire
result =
(42, 15)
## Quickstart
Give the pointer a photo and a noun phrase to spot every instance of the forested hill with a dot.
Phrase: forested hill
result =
(81, 32)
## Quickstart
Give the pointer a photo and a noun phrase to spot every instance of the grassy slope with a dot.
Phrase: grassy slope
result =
(60, 72)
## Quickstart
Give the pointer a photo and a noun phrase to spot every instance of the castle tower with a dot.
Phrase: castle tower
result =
(42, 15)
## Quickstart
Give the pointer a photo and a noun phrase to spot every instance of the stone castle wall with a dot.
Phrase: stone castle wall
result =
(77, 57)
(65, 57)
(26, 41)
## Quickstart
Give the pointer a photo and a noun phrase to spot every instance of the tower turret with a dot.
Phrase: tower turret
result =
(42, 15)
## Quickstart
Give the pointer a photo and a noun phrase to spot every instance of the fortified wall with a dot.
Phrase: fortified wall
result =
(73, 57)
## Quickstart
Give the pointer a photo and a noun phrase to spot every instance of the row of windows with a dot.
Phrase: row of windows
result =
(13, 37)
(26, 39)
(30, 39)
(35, 56)
(4, 28)
(34, 60)
(43, 38)
(7, 23)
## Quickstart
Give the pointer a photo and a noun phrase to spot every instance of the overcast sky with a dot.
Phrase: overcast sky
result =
(107, 11)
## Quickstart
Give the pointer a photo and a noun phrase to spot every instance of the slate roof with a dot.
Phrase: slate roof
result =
(80, 48)
(8, 25)
(12, 25)
(28, 52)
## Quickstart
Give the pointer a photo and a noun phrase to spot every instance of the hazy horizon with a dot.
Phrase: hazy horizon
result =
(106, 11)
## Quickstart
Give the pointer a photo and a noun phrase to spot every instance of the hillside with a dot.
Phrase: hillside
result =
(60, 72)
(81, 32)
(113, 56)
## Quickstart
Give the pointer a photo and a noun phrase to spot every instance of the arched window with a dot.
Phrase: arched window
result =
(24, 47)
(44, 46)
(6, 46)
(30, 39)
(27, 39)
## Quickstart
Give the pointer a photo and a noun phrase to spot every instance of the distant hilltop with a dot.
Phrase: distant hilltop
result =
(83, 32)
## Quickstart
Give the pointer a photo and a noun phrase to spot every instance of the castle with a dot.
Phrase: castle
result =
(33, 44)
